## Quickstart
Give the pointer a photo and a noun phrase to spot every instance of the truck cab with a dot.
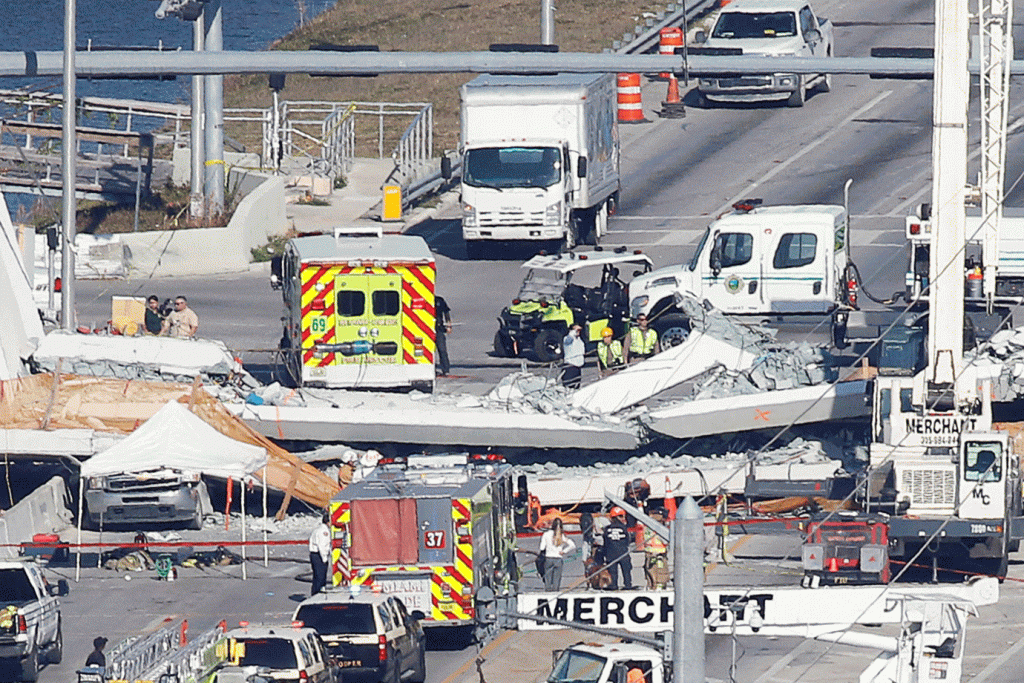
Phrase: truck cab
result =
(607, 663)
(755, 260)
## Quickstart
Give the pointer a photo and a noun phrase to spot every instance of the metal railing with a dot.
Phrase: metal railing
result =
(148, 658)
(415, 168)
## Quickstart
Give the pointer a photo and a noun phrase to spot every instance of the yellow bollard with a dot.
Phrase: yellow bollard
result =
(392, 203)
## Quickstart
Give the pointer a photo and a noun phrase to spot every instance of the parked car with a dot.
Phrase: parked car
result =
(276, 653)
(30, 623)
(370, 635)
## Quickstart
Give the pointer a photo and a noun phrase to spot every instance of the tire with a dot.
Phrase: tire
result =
(672, 329)
(30, 667)
(799, 95)
(56, 653)
(825, 84)
(503, 347)
(196, 523)
(548, 346)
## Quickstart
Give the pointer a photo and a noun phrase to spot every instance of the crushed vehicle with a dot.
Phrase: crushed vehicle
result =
(159, 495)
(30, 622)
(771, 28)
(583, 288)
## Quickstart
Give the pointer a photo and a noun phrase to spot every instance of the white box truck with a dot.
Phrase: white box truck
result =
(540, 158)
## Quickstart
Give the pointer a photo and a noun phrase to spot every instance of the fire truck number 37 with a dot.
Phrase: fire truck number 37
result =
(433, 539)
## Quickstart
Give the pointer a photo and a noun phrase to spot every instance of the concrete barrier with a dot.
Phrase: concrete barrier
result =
(44, 511)
(209, 251)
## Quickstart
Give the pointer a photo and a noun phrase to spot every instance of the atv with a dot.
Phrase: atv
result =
(582, 288)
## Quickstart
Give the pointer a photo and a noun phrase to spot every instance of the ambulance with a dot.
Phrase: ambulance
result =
(437, 531)
(358, 309)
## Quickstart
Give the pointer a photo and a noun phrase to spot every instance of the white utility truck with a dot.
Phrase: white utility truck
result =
(771, 28)
(755, 260)
(540, 158)
(30, 623)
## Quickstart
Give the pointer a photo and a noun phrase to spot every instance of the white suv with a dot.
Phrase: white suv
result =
(278, 654)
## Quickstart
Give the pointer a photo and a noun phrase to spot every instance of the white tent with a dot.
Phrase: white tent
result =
(176, 438)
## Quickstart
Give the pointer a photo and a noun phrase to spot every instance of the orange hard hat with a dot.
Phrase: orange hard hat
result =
(607, 332)
(616, 512)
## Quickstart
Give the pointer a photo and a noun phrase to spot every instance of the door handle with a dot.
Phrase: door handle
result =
(752, 287)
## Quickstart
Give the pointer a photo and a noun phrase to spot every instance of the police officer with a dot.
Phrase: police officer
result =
(616, 549)
(609, 353)
(643, 341)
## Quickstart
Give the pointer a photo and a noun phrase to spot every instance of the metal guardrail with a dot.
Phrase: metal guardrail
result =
(645, 38)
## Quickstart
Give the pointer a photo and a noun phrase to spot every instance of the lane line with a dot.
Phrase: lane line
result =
(779, 168)
(998, 662)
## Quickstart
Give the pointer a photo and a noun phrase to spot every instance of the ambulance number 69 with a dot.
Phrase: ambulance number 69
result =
(318, 325)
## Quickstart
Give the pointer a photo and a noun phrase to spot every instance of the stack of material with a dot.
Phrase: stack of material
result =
(785, 368)
(46, 402)
(1002, 359)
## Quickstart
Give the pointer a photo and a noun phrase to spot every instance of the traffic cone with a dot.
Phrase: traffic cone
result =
(672, 107)
(833, 565)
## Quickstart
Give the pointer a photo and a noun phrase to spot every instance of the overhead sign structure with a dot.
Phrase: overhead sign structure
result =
(763, 611)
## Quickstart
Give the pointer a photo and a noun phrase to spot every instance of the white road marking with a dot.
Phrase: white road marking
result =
(782, 663)
(998, 662)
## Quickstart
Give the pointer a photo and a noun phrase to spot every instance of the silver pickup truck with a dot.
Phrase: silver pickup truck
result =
(30, 627)
(772, 28)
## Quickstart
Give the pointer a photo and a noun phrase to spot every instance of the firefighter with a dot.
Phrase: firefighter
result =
(616, 549)
(609, 353)
(643, 341)
(655, 555)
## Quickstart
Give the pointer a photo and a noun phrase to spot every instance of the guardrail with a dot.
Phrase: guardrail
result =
(645, 38)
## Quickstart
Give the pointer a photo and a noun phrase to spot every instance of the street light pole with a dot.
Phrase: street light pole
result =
(68, 153)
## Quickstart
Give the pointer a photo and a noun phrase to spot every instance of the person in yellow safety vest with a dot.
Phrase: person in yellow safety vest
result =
(609, 353)
(643, 341)
(655, 555)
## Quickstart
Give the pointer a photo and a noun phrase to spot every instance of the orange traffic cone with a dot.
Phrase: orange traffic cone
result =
(672, 107)
(833, 564)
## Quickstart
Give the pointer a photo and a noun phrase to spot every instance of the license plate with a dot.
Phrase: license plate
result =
(413, 591)
(344, 663)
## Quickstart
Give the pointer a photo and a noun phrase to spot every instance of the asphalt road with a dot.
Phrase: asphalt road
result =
(677, 176)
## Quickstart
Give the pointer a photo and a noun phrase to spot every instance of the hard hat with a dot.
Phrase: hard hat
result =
(607, 332)
(616, 512)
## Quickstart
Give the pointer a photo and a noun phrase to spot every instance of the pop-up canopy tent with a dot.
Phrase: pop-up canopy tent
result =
(175, 438)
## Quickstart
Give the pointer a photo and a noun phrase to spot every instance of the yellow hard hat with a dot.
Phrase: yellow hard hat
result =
(607, 332)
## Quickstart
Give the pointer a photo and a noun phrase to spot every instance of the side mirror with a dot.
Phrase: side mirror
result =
(637, 273)
(60, 589)
(700, 37)
(813, 36)
(418, 615)
(716, 258)
(581, 167)
(446, 167)
(276, 269)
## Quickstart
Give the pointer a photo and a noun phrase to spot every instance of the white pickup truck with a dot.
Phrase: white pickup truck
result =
(772, 28)
(30, 626)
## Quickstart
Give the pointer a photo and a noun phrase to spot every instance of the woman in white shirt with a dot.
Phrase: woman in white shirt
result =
(554, 546)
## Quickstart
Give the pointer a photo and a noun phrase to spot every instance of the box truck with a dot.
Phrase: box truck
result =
(540, 158)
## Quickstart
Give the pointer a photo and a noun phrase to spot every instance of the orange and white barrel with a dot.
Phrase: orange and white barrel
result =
(669, 39)
(631, 108)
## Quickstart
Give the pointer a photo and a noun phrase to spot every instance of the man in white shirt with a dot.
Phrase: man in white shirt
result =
(573, 349)
(320, 553)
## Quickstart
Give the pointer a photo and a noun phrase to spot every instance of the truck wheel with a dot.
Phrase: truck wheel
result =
(825, 84)
(503, 347)
(196, 523)
(30, 666)
(56, 653)
(672, 329)
(799, 95)
(548, 346)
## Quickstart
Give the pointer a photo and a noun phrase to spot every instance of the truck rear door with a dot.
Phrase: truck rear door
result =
(369, 318)
(794, 263)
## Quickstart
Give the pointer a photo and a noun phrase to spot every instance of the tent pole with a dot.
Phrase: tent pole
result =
(241, 485)
(266, 556)
(78, 555)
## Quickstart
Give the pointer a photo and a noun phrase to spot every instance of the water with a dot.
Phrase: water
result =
(39, 25)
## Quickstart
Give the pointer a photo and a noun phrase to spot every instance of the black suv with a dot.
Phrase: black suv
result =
(369, 635)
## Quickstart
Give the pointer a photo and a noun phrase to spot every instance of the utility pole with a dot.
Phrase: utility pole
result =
(197, 204)
(68, 151)
(214, 13)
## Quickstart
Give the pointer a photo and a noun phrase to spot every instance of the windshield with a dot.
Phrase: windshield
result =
(700, 248)
(332, 619)
(578, 667)
(513, 167)
(755, 25)
(543, 283)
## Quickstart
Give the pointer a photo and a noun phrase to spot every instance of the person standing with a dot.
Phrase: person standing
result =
(609, 353)
(96, 657)
(643, 341)
(442, 328)
(655, 555)
(154, 321)
(616, 550)
(182, 323)
(320, 553)
(554, 545)
(573, 350)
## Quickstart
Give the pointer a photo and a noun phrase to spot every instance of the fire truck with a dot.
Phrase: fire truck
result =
(436, 530)
(358, 309)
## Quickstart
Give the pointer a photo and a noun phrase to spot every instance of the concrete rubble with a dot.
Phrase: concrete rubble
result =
(1002, 360)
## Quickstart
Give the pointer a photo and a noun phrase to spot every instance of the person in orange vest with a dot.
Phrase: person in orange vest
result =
(655, 555)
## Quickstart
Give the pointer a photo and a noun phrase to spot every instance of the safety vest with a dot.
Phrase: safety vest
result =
(642, 342)
(616, 353)
(653, 543)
